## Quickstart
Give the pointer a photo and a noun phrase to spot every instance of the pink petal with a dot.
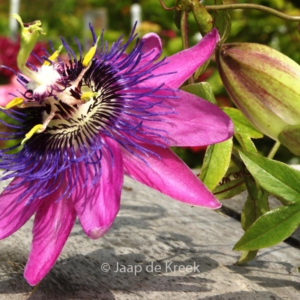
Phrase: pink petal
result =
(152, 46)
(14, 214)
(12, 87)
(52, 226)
(169, 175)
(189, 120)
(184, 63)
(97, 205)
(196, 122)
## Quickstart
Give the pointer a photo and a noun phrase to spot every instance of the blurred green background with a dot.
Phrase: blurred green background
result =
(66, 18)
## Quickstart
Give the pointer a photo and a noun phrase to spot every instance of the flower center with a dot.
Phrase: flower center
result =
(73, 112)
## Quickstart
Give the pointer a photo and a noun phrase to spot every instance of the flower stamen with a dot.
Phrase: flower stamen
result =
(54, 56)
(88, 96)
(36, 129)
(15, 102)
(90, 55)
(39, 127)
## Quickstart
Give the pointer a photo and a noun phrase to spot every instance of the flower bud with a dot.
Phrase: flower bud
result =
(263, 83)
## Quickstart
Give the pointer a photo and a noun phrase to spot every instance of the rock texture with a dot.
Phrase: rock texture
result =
(157, 249)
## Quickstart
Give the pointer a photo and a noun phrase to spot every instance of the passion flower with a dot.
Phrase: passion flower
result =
(81, 125)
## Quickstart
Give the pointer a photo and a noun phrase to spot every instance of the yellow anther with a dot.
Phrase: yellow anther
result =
(36, 129)
(54, 56)
(13, 102)
(89, 56)
(88, 95)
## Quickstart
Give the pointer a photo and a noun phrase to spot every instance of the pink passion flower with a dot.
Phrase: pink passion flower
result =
(80, 125)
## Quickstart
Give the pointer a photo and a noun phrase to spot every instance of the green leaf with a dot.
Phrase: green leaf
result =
(241, 124)
(229, 189)
(202, 17)
(245, 142)
(200, 71)
(246, 257)
(232, 184)
(177, 18)
(271, 228)
(256, 205)
(290, 138)
(243, 130)
(222, 21)
(202, 90)
(215, 164)
(275, 177)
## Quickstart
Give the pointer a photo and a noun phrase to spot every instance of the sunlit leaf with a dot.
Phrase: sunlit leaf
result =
(202, 90)
(241, 124)
(275, 177)
(271, 228)
(246, 142)
(215, 164)
(232, 184)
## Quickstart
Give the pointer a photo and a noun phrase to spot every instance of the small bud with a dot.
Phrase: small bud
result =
(264, 85)
(203, 19)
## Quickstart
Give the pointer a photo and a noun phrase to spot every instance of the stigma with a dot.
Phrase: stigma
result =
(51, 88)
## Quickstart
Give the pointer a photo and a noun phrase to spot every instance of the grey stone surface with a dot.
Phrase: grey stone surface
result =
(151, 235)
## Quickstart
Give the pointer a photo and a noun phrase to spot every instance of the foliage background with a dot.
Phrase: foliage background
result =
(65, 18)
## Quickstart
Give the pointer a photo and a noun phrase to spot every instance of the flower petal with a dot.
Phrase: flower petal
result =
(169, 175)
(152, 46)
(98, 204)
(184, 63)
(188, 120)
(13, 213)
(52, 226)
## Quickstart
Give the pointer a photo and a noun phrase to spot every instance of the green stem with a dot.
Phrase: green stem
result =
(274, 150)
(167, 8)
(183, 29)
(184, 35)
(254, 6)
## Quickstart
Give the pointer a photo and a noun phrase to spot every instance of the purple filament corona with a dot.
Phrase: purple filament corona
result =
(121, 108)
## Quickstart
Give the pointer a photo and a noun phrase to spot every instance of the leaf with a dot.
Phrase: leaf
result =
(241, 124)
(232, 184)
(256, 205)
(215, 164)
(275, 177)
(202, 17)
(245, 142)
(201, 70)
(177, 18)
(246, 257)
(222, 21)
(271, 228)
(243, 130)
(290, 138)
(202, 90)
(230, 189)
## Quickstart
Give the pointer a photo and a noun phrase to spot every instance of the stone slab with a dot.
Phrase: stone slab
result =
(157, 249)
